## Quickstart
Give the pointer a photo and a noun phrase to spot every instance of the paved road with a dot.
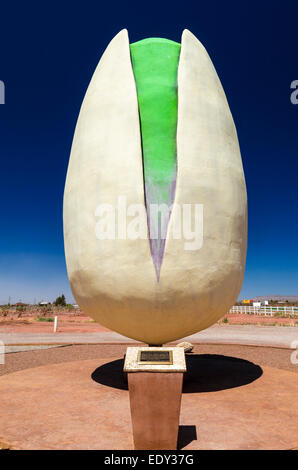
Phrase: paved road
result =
(21, 348)
(275, 336)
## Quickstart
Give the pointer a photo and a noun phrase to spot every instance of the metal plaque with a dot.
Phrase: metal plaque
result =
(155, 357)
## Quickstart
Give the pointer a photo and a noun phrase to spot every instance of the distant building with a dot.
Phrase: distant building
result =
(44, 303)
(246, 301)
(256, 304)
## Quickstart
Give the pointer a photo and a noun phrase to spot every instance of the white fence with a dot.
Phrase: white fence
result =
(265, 310)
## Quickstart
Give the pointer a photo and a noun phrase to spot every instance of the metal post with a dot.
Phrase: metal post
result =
(55, 323)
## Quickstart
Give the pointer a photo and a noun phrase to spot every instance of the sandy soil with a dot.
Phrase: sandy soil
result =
(77, 322)
(67, 323)
(246, 319)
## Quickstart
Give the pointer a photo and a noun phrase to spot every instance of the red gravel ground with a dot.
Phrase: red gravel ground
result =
(263, 356)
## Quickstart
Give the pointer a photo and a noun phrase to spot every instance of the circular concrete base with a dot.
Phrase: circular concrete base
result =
(228, 403)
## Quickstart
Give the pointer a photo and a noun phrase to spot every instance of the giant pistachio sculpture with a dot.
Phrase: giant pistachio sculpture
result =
(155, 127)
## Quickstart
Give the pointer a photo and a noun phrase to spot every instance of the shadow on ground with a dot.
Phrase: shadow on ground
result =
(205, 373)
(213, 372)
(111, 374)
(186, 435)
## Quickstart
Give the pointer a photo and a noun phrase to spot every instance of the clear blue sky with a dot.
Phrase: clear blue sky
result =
(48, 53)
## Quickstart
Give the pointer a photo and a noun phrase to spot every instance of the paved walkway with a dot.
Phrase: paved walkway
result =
(274, 336)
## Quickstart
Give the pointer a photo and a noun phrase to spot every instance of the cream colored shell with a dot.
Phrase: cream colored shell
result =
(114, 281)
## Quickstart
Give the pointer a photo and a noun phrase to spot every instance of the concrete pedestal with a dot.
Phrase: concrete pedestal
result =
(155, 388)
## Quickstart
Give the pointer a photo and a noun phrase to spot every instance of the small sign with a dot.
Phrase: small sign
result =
(155, 357)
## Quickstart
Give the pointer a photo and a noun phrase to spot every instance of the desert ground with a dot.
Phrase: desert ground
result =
(41, 320)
